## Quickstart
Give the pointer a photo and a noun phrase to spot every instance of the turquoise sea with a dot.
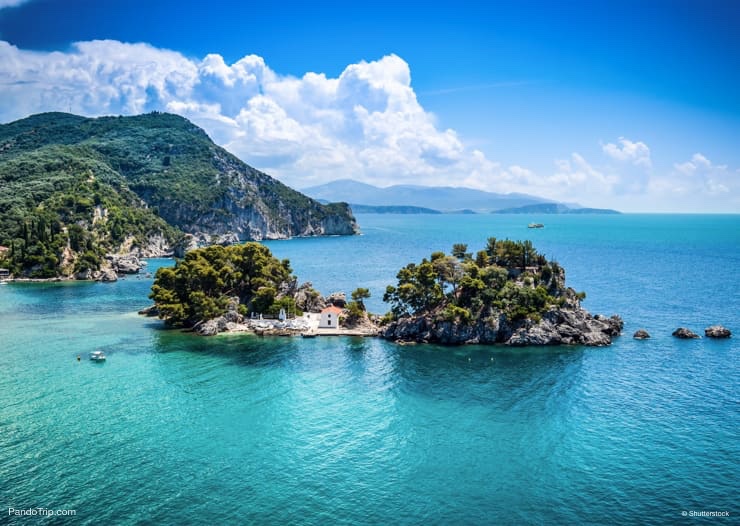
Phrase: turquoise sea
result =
(177, 429)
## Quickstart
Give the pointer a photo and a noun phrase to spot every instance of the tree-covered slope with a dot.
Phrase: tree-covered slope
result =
(62, 209)
(508, 293)
(201, 286)
(137, 176)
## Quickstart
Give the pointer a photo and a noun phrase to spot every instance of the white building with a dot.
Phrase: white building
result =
(330, 318)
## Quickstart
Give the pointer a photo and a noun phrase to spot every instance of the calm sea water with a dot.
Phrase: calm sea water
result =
(176, 429)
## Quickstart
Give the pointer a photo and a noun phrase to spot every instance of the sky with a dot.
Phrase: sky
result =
(628, 105)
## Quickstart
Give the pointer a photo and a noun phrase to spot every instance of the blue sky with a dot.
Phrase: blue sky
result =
(626, 104)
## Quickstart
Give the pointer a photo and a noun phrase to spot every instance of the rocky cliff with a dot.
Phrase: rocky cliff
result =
(571, 325)
(73, 190)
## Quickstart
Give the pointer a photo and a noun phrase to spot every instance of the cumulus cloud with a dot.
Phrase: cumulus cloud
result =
(699, 174)
(366, 123)
(636, 153)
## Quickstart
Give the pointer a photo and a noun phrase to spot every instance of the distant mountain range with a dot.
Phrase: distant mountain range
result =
(554, 208)
(412, 199)
(392, 209)
(438, 198)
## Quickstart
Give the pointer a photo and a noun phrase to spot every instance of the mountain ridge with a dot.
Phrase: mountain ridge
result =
(440, 198)
(554, 208)
(128, 181)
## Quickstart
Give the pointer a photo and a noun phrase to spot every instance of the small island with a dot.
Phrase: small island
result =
(244, 288)
(507, 294)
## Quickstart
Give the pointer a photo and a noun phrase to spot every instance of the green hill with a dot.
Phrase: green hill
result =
(73, 189)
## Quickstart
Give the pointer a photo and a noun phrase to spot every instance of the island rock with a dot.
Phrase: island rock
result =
(717, 331)
(641, 334)
(507, 294)
(684, 333)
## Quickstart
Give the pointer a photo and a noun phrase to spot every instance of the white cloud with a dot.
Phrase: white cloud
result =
(700, 175)
(636, 153)
(12, 3)
(366, 123)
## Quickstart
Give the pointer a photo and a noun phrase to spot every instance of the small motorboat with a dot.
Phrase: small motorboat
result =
(535, 225)
(97, 356)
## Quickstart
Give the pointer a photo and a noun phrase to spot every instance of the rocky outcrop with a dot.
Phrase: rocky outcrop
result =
(84, 275)
(308, 299)
(558, 326)
(155, 245)
(108, 276)
(223, 323)
(717, 331)
(684, 333)
(641, 334)
(365, 323)
(338, 299)
(150, 312)
(128, 264)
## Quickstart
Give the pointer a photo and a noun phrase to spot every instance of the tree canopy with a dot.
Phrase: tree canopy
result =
(508, 276)
(199, 287)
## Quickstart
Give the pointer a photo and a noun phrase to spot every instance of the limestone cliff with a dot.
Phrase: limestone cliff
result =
(73, 189)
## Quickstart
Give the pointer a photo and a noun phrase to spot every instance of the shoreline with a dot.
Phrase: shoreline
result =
(304, 326)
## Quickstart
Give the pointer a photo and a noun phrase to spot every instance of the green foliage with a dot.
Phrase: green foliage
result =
(457, 314)
(360, 293)
(48, 199)
(199, 286)
(387, 318)
(287, 303)
(458, 287)
(459, 250)
(356, 308)
(152, 173)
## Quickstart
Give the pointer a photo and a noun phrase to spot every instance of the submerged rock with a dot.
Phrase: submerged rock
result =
(684, 333)
(717, 331)
(641, 334)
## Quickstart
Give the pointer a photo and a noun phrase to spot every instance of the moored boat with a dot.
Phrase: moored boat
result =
(535, 225)
(97, 356)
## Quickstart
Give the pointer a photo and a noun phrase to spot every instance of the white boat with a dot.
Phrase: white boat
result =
(97, 356)
(535, 225)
